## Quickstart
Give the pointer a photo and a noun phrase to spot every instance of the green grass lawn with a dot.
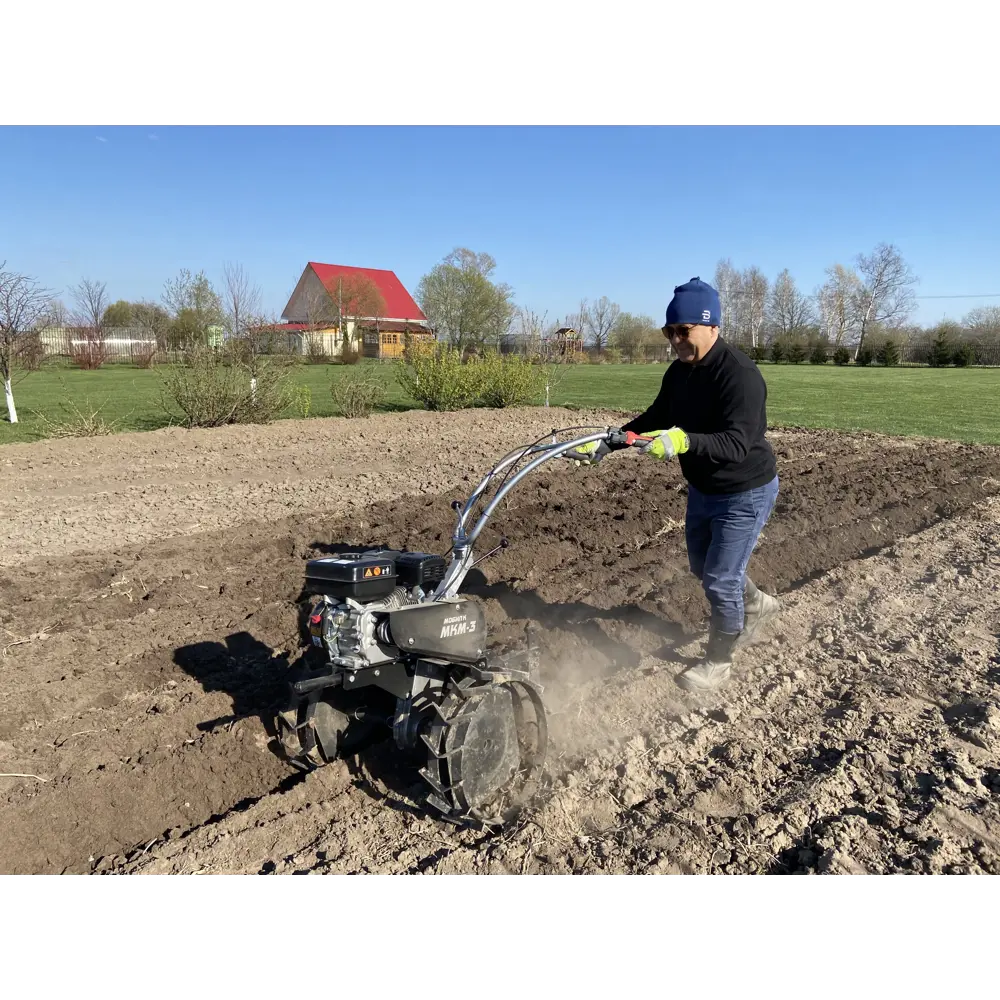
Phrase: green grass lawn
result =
(958, 403)
(962, 404)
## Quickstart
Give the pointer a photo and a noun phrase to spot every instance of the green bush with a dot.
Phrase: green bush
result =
(796, 352)
(865, 356)
(301, 400)
(613, 355)
(888, 354)
(436, 377)
(357, 393)
(942, 354)
(777, 351)
(758, 352)
(963, 356)
(211, 389)
(509, 380)
(819, 353)
(266, 396)
(841, 356)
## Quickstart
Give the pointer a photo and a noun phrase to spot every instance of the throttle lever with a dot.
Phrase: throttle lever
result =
(628, 438)
(632, 439)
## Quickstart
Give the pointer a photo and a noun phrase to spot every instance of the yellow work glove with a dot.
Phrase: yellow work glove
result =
(590, 453)
(666, 444)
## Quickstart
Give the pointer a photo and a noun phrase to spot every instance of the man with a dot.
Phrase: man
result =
(713, 402)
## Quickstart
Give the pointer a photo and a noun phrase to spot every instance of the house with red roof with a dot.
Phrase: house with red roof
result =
(362, 307)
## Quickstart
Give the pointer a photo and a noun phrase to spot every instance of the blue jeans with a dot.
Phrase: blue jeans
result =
(722, 532)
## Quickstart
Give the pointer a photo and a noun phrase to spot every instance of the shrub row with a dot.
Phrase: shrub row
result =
(439, 379)
(886, 353)
(796, 351)
(214, 388)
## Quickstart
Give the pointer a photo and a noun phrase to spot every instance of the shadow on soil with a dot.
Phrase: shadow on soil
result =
(256, 680)
(244, 668)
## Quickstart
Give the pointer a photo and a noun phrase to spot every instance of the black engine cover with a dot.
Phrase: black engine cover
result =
(415, 569)
(361, 576)
(450, 631)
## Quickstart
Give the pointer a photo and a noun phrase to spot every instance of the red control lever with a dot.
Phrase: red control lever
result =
(631, 438)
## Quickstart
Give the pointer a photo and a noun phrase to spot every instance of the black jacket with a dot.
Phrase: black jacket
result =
(720, 402)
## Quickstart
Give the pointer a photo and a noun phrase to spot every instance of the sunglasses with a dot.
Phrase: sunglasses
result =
(677, 330)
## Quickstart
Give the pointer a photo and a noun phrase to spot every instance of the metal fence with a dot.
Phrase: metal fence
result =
(136, 345)
(117, 344)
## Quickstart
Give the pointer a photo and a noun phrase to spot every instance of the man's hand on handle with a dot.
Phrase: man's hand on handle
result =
(590, 453)
(666, 444)
(663, 445)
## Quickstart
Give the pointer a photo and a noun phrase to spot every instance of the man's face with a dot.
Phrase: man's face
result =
(691, 343)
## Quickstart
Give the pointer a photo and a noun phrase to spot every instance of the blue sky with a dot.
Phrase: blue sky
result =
(566, 212)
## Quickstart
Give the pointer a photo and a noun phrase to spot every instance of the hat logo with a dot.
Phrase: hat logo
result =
(705, 314)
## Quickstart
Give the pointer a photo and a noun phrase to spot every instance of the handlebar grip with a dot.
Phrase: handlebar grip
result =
(631, 438)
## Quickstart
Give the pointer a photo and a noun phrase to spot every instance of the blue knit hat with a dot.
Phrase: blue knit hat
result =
(696, 303)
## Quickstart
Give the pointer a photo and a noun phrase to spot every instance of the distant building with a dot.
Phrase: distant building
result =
(369, 309)
(565, 342)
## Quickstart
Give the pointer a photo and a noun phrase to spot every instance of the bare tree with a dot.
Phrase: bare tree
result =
(836, 299)
(241, 299)
(91, 299)
(88, 348)
(602, 316)
(531, 330)
(152, 322)
(55, 315)
(790, 309)
(754, 290)
(729, 285)
(885, 297)
(983, 323)
(241, 309)
(22, 305)
(743, 296)
(580, 320)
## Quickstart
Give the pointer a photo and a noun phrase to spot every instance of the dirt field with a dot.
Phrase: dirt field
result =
(147, 606)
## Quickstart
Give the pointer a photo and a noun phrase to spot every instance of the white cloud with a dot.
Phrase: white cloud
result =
(101, 138)
(153, 137)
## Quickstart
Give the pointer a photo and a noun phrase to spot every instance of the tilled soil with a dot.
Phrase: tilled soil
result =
(149, 610)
